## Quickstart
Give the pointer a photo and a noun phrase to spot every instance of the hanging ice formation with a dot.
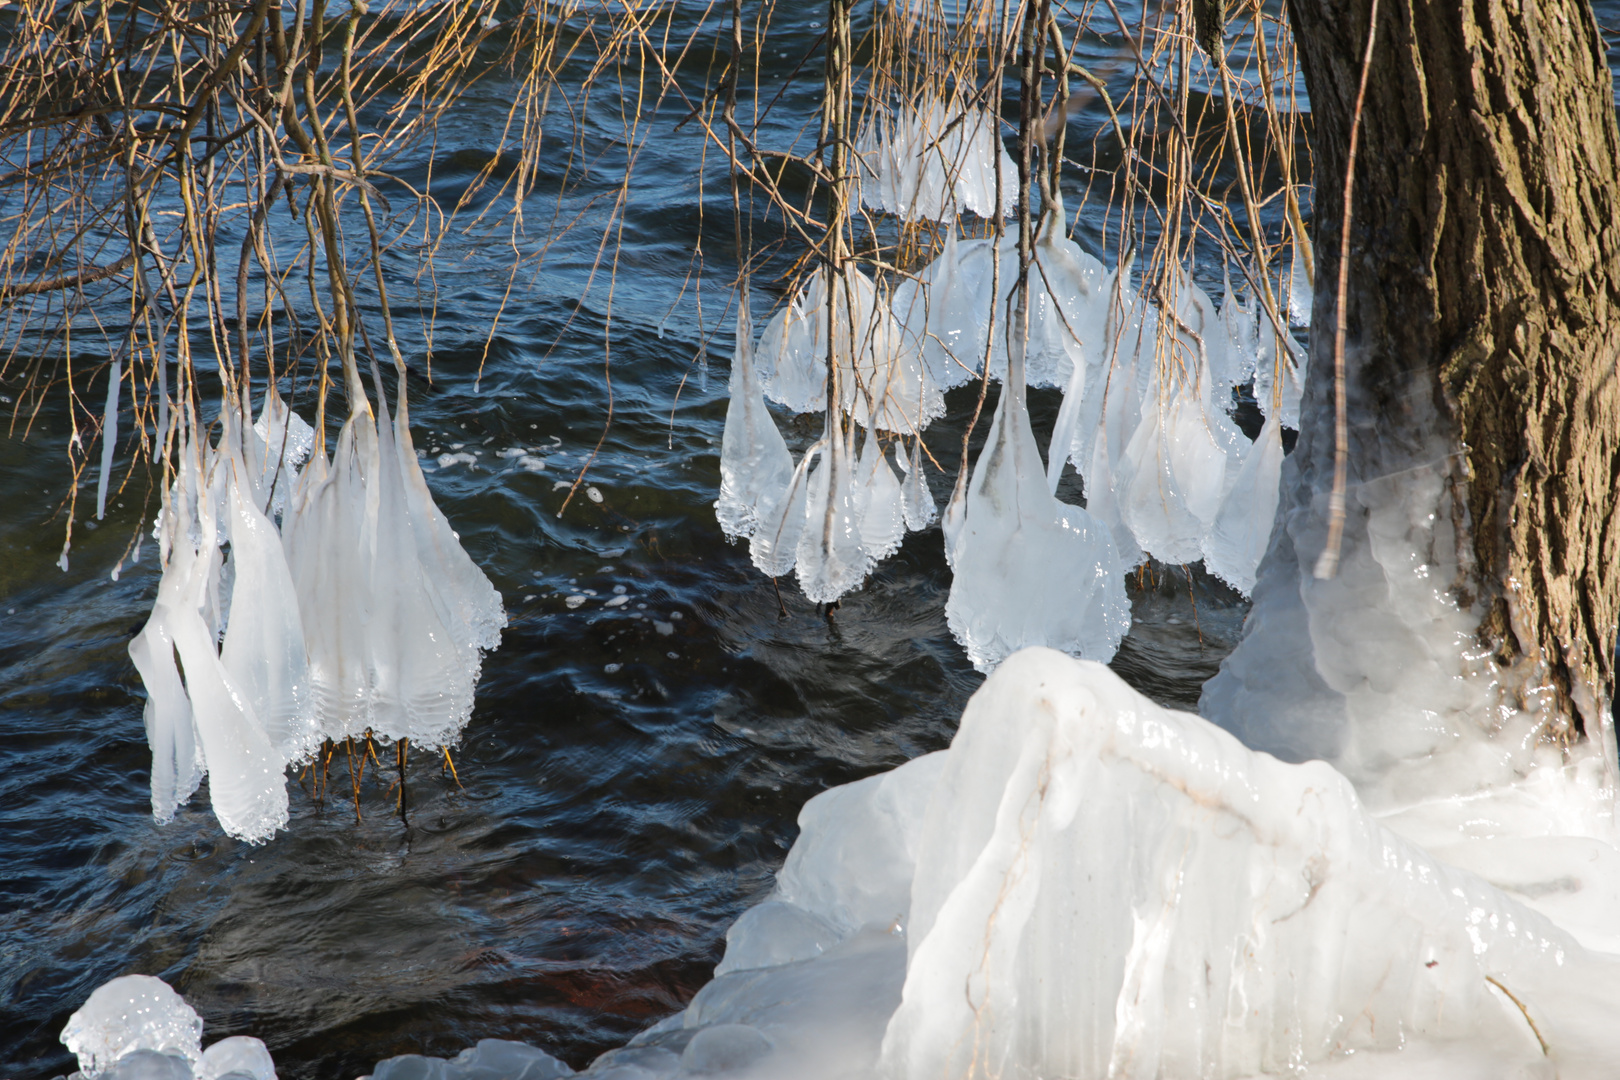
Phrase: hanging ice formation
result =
(833, 516)
(881, 377)
(754, 461)
(396, 614)
(930, 163)
(1028, 569)
(947, 307)
(361, 611)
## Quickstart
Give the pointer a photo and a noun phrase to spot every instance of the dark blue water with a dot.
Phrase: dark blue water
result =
(630, 778)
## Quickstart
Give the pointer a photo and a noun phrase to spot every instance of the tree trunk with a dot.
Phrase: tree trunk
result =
(1483, 317)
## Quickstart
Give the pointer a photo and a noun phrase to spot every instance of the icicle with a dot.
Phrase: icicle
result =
(882, 379)
(1068, 303)
(326, 535)
(1242, 527)
(754, 461)
(423, 661)
(471, 604)
(1242, 326)
(879, 502)
(775, 544)
(1103, 505)
(1293, 368)
(830, 560)
(247, 775)
(169, 727)
(1299, 290)
(946, 310)
(1057, 451)
(916, 500)
(1171, 477)
(792, 369)
(264, 652)
(1029, 570)
(929, 163)
(285, 442)
(109, 435)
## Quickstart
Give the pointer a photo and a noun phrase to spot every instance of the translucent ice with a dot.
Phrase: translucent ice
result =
(491, 1059)
(1299, 289)
(1291, 366)
(131, 1013)
(916, 500)
(947, 307)
(754, 461)
(1171, 476)
(396, 615)
(210, 717)
(1068, 304)
(775, 545)
(879, 502)
(882, 380)
(1108, 888)
(240, 1057)
(1088, 885)
(282, 443)
(930, 163)
(1028, 569)
(831, 560)
(1237, 539)
(264, 642)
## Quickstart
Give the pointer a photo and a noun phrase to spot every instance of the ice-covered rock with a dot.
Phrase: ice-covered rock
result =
(129, 1014)
(240, 1057)
(755, 466)
(1108, 888)
(491, 1059)
(1089, 885)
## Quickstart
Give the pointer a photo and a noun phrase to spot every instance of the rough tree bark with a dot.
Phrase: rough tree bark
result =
(1483, 313)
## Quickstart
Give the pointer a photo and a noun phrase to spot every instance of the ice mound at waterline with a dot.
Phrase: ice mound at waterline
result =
(137, 1028)
(1089, 885)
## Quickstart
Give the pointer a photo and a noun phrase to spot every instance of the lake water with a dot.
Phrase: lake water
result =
(630, 778)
